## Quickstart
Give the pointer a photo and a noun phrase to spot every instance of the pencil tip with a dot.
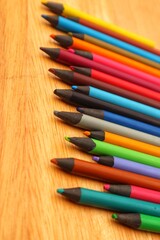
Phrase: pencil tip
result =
(56, 113)
(44, 49)
(74, 87)
(72, 68)
(53, 161)
(79, 109)
(87, 133)
(44, 16)
(67, 139)
(106, 186)
(52, 70)
(71, 50)
(114, 216)
(95, 158)
(52, 36)
(60, 190)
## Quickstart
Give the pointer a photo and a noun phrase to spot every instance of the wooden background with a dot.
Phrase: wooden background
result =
(30, 136)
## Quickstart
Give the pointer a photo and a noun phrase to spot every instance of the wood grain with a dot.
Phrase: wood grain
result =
(30, 208)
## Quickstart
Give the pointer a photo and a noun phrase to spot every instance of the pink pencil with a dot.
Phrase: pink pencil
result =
(117, 65)
(134, 192)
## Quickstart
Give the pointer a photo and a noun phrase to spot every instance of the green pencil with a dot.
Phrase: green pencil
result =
(97, 147)
(110, 201)
(139, 221)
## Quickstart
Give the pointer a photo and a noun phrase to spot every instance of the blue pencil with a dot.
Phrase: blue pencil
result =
(121, 120)
(118, 100)
(67, 25)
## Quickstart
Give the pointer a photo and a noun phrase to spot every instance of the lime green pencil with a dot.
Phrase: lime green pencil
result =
(139, 221)
(97, 147)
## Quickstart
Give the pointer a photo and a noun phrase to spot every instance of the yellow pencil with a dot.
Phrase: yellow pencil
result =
(65, 10)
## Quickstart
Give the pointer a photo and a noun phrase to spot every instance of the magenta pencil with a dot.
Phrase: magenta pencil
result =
(132, 191)
(119, 66)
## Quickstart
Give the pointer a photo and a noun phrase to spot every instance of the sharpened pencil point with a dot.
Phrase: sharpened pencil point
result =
(67, 139)
(52, 36)
(79, 109)
(53, 161)
(74, 87)
(95, 158)
(52, 70)
(56, 113)
(72, 68)
(106, 186)
(60, 190)
(114, 215)
(87, 133)
(71, 50)
(44, 16)
(42, 48)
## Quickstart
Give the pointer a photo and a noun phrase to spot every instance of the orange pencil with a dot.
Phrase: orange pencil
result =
(124, 142)
(75, 43)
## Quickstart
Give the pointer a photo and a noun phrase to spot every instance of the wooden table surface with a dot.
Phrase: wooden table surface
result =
(30, 208)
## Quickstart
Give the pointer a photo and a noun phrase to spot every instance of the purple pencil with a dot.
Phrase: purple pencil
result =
(127, 165)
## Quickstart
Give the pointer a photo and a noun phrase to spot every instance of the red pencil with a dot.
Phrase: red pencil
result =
(118, 82)
(119, 66)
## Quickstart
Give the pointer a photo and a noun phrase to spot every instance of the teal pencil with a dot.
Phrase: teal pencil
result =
(110, 201)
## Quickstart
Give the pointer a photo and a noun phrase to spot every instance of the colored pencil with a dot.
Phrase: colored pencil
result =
(97, 147)
(63, 9)
(129, 86)
(127, 165)
(103, 173)
(90, 123)
(121, 51)
(138, 221)
(121, 120)
(67, 25)
(124, 142)
(99, 54)
(69, 58)
(118, 100)
(74, 78)
(151, 75)
(109, 201)
(136, 192)
(80, 99)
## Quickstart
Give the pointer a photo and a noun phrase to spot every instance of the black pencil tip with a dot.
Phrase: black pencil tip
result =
(45, 16)
(69, 117)
(56, 113)
(73, 194)
(63, 92)
(52, 52)
(52, 70)
(52, 19)
(57, 8)
(86, 144)
(66, 164)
